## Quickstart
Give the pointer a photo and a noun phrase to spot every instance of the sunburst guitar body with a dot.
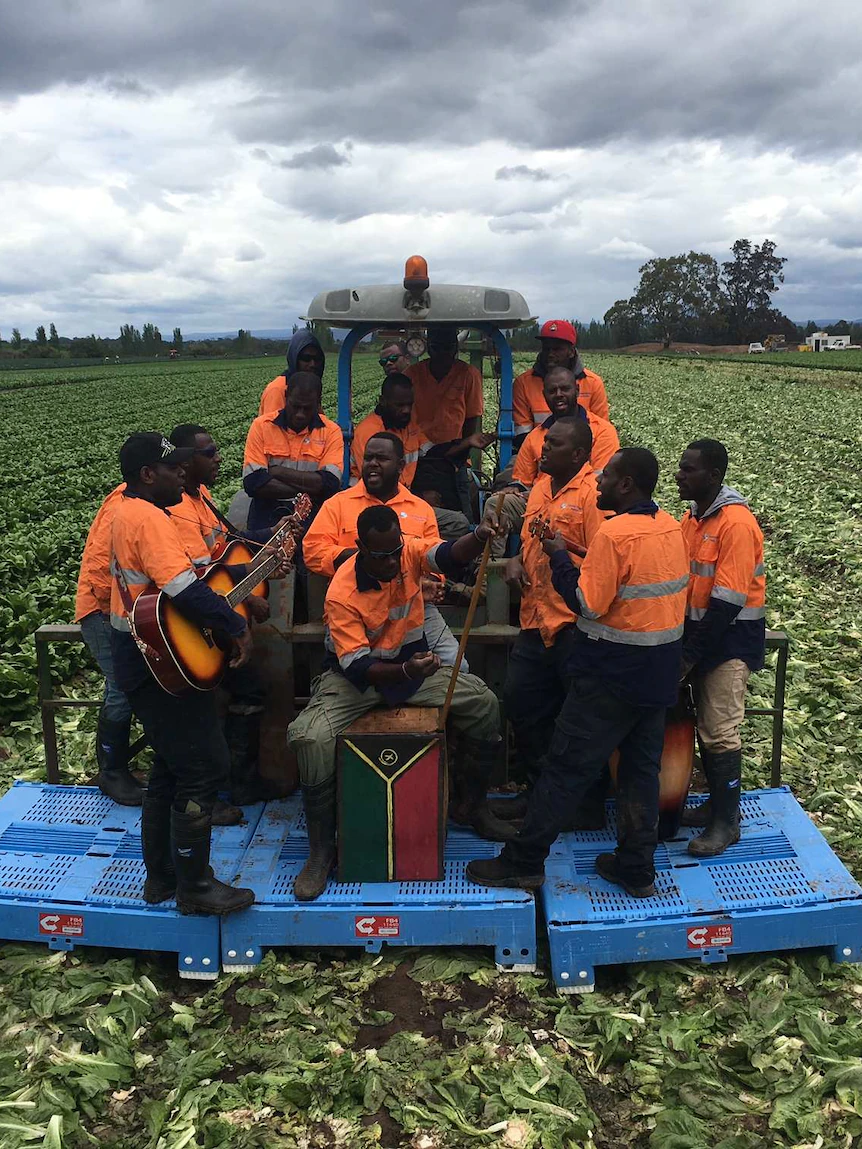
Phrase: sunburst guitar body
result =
(181, 654)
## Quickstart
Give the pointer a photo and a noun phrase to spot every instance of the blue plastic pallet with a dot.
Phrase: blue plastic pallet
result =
(449, 912)
(780, 887)
(72, 873)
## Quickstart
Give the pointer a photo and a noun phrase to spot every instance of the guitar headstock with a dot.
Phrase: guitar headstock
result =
(295, 520)
(541, 529)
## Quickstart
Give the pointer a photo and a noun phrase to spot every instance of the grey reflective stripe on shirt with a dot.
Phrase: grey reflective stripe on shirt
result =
(582, 603)
(653, 589)
(539, 416)
(180, 582)
(759, 570)
(523, 428)
(250, 468)
(118, 622)
(431, 558)
(748, 613)
(411, 457)
(331, 467)
(132, 576)
(725, 594)
(426, 447)
(705, 570)
(396, 612)
(389, 652)
(347, 660)
(202, 561)
(629, 637)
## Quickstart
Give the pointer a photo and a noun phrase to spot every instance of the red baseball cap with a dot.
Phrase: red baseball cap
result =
(559, 329)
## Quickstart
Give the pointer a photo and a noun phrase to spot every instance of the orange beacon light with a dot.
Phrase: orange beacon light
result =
(416, 274)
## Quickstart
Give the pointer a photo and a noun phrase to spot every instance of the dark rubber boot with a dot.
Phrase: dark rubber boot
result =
(242, 734)
(112, 755)
(319, 803)
(198, 890)
(509, 809)
(470, 802)
(224, 814)
(724, 774)
(607, 867)
(699, 815)
(500, 871)
(156, 846)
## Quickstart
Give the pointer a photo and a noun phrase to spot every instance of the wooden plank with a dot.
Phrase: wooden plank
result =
(273, 660)
(398, 720)
(59, 632)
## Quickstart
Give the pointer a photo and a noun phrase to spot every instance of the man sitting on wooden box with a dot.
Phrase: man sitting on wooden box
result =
(377, 655)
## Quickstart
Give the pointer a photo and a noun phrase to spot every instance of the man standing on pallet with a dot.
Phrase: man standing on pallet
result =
(564, 501)
(377, 655)
(331, 538)
(559, 349)
(629, 595)
(191, 755)
(725, 631)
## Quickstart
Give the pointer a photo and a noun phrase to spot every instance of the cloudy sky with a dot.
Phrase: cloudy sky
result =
(214, 165)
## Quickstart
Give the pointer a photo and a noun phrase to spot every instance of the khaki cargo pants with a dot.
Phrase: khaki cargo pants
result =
(720, 699)
(336, 703)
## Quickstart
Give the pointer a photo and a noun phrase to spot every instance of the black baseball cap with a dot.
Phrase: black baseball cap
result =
(146, 449)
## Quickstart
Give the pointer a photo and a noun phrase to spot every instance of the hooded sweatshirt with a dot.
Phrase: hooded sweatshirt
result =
(272, 399)
(726, 606)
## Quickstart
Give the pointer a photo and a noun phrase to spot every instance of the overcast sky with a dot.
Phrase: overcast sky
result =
(214, 165)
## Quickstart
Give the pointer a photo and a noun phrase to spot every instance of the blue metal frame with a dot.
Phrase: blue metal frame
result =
(505, 424)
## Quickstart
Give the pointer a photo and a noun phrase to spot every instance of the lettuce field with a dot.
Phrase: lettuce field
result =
(435, 1048)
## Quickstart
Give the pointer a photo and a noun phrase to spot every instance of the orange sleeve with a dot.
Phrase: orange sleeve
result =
(189, 531)
(255, 457)
(522, 414)
(527, 460)
(346, 629)
(161, 555)
(593, 517)
(357, 450)
(600, 576)
(737, 557)
(474, 399)
(272, 399)
(332, 458)
(321, 542)
(598, 398)
(606, 443)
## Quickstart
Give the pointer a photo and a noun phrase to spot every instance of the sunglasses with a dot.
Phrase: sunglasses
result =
(210, 452)
(388, 359)
(386, 554)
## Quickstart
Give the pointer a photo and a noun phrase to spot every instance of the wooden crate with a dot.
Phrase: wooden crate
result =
(392, 797)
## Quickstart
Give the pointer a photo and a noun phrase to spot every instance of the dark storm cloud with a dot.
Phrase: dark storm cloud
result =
(541, 73)
(321, 156)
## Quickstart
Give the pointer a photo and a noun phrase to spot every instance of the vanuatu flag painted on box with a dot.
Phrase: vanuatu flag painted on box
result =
(391, 807)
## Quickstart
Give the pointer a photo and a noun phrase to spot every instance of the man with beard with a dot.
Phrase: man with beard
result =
(304, 353)
(393, 413)
(331, 538)
(559, 349)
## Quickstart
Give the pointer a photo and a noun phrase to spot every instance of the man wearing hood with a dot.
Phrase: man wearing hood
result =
(304, 353)
(559, 349)
(725, 630)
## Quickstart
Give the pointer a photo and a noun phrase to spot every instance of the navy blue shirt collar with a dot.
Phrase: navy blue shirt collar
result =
(281, 421)
(580, 413)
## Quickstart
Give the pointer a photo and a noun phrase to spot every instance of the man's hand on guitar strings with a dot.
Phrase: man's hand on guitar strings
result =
(258, 608)
(241, 648)
(555, 542)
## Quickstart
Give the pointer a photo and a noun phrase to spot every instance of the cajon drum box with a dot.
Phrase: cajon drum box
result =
(392, 797)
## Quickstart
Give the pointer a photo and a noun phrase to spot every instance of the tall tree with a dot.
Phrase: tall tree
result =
(130, 340)
(16, 339)
(750, 280)
(625, 322)
(178, 339)
(41, 336)
(53, 337)
(677, 295)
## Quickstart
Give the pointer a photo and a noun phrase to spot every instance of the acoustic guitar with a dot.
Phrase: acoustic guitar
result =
(184, 656)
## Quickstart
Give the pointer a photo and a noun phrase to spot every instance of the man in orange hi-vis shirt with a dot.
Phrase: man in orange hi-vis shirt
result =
(564, 500)
(393, 413)
(93, 613)
(559, 349)
(629, 596)
(294, 451)
(725, 630)
(190, 754)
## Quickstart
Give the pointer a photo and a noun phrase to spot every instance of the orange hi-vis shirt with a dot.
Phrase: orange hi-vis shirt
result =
(147, 552)
(573, 512)
(272, 399)
(94, 580)
(198, 527)
(334, 526)
(415, 445)
(365, 618)
(441, 409)
(530, 409)
(318, 448)
(606, 443)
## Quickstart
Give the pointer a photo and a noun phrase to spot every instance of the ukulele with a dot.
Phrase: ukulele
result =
(182, 655)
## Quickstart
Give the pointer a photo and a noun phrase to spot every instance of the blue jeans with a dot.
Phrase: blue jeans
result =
(96, 632)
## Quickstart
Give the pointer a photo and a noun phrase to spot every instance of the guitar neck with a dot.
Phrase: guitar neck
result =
(244, 587)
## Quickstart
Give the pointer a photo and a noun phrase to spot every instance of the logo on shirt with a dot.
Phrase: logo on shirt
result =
(388, 758)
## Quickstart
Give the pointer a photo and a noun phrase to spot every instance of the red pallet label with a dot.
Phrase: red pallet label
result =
(376, 927)
(709, 937)
(62, 925)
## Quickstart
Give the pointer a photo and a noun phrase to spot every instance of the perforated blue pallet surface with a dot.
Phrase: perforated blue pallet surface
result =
(72, 873)
(450, 912)
(780, 887)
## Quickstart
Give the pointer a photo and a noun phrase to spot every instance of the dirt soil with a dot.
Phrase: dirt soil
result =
(685, 349)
